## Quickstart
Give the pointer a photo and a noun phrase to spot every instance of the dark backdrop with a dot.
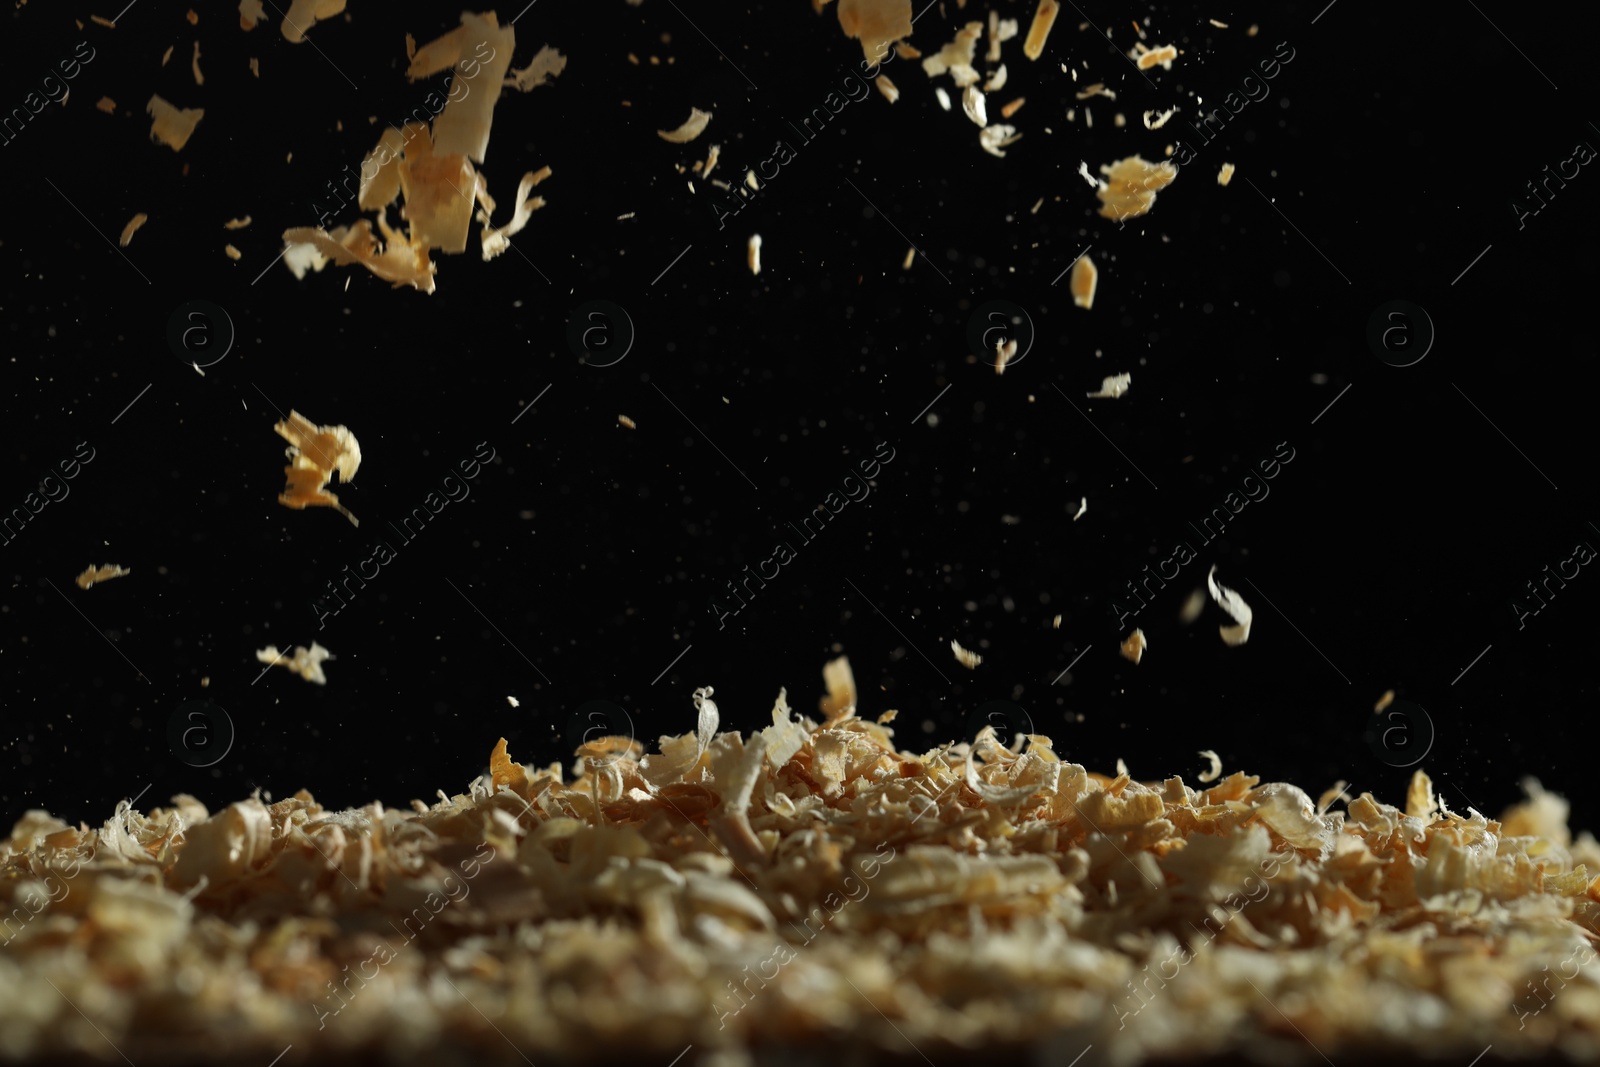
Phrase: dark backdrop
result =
(1388, 553)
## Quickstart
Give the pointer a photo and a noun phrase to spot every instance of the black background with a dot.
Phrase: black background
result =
(1382, 164)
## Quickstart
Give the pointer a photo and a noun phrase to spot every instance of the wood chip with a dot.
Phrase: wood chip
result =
(108, 105)
(172, 126)
(1131, 186)
(1162, 56)
(253, 12)
(1225, 175)
(1133, 648)
(1085, 280)
(967, 659)
(93, 574)
(131, 228)
(692, 127)
(623, 420)
(1235, 606)
(1044, 18)
(316, 454)
(306, 662)
(236, 224)
(232, 252)
(1113, 386)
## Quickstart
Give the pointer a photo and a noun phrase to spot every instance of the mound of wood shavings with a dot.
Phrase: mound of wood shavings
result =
(851, 895)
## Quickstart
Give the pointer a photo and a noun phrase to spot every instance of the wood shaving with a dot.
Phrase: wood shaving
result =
(1235, 606)
(1085, 280)
(463, 127)
(303, 14)
(316, 454)
(93, 574)
(1097, 89)
(997, 80)
(888, 88)
(840, 702)
(711, 161)
(1218, 25)
(1044, 19)
(1004, 352)
(1131, 186)
(993, 138)
(875, 23)
(942, 96)
(172, 126)
(1012, 108)
(1160, 120)
(911, 256)
(1000, 31)
(972, 102)
(692, 127)
(231, 252)
(194, 65)
(966, 658)
(165, 56)
(1383, 701)
(1225, 175)
(307, 663)
(955, 58)
(1112, 387)
(623, 420)
(753, 253)
(251, 14)
(1216, 767)
(819, 875)
(496, 241)
(1192, 607)
(106, 104)
(1083, 509)
(1133, 648)
(131, 228)
(546, 63)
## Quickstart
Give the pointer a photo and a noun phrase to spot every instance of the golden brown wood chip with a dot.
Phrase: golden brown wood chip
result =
(132, 228)
(1044, 18)
(1085, 280)
(1131, 186)
(93, 574)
